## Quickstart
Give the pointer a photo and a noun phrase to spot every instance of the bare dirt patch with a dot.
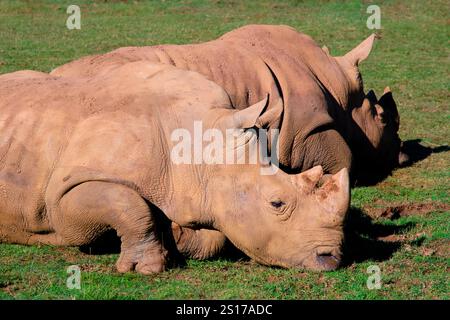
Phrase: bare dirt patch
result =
(438, 248)
(9, 288)
(404, 210)
(402, 237)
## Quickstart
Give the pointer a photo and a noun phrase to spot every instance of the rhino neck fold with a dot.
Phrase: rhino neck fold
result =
(188, 204)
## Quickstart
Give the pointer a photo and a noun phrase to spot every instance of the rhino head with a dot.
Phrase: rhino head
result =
(278, 219)
(349, 65)
(376, 138)
(375, 142)
(285, 220)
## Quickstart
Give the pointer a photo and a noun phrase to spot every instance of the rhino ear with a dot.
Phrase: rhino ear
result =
(362, 51)
(334, 196)
(380, 115)
(372, 96)
(307, 180)
(262, 114)
(258, 115)
(271, 116)
(248, 117)
(368, 103)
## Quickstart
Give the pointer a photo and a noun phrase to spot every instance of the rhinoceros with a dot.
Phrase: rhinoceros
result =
(316, 100)
(80, 157)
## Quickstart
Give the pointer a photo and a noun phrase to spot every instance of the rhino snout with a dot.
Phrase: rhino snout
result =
(327, 261)
(322, 260)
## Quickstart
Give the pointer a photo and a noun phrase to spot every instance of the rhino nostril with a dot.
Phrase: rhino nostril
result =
(327, 261)
(325, 254)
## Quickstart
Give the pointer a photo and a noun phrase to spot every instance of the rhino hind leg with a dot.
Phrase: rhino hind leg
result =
(9, 234)
(92, 208)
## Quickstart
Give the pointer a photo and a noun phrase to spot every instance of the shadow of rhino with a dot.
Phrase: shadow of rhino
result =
(363, 238)
(414, 151)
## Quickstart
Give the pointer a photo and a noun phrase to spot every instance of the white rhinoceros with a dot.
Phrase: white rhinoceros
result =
(82, 156)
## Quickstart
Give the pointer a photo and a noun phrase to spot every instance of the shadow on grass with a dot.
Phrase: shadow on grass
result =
(412, 151)
(416, 152)
(362, 238)
(108, 243)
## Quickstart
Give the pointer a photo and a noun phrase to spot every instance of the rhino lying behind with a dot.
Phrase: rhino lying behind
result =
(79, 157)
(316, 100)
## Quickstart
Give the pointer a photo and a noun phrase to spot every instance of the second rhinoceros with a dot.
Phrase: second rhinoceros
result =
(82, 156)
(316, 100)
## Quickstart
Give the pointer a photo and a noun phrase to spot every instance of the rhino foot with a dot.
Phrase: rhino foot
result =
(145, 259)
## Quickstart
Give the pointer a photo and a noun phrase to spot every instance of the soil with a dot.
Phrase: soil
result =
(404, 210)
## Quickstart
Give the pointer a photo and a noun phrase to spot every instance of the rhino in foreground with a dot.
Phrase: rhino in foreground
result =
(80, 157)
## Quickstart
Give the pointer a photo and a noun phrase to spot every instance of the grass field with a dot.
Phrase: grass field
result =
(401, 225)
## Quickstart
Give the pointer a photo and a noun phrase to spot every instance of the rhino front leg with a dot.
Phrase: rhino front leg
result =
(91, 208)
(198, 244)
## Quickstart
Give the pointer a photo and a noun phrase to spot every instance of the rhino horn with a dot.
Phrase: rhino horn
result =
(334, 196)
(307, 180)
(362, 51)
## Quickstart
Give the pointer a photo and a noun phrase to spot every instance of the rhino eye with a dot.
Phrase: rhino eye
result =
(277, 204)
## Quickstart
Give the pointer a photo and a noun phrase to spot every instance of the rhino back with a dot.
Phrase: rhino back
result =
(58, 132)
(243, 75)
(249, 63)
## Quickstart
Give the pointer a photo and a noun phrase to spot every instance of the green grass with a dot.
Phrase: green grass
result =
(411, 57)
